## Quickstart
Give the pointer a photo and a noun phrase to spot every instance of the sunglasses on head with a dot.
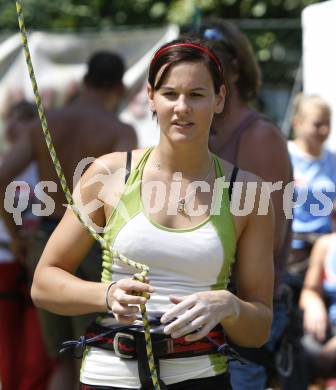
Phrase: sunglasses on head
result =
(213, 34)
(216, 35)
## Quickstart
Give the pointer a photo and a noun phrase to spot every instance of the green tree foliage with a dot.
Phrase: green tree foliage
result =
(273, 26)
(181, 10)
(101, 14)
(78, 14)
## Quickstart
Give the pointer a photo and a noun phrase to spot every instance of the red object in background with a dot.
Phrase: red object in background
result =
(24, 364)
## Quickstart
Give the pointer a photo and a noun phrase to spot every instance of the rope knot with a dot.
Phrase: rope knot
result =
(77, 346)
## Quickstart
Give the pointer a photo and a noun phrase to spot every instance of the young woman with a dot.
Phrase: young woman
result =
(173, 214)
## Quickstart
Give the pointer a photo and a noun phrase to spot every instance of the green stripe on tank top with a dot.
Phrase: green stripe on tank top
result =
(224, 225)
(128, 207)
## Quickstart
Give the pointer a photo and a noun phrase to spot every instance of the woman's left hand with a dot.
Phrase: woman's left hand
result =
(197, 314)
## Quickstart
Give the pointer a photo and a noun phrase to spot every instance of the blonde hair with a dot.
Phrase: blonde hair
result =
(301, 100)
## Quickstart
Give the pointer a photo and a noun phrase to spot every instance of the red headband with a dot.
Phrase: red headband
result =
(212, 57)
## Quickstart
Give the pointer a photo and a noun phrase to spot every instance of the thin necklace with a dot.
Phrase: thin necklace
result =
(181, 203)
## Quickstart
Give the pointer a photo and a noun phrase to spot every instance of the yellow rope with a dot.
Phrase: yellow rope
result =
(112, 254)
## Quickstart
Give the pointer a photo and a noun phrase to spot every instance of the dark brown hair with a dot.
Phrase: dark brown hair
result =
(105, 70)
(22, 110)
(172, 53)
(236, 53)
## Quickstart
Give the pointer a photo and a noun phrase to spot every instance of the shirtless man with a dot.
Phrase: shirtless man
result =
(250, 141)
(89, 127)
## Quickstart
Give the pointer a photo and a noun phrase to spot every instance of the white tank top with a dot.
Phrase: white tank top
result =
(181, 262)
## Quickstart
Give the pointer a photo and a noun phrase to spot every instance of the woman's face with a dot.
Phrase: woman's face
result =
(186, 102)
(313, 124)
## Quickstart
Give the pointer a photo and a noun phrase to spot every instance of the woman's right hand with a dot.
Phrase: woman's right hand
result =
(315, 319)
(123, 301)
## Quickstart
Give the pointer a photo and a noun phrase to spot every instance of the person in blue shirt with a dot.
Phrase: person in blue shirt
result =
(314, 173)
(249, 140)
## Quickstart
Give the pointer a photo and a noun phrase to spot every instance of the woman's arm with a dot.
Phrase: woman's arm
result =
(55, 288)
(315, 316)
(251, 325)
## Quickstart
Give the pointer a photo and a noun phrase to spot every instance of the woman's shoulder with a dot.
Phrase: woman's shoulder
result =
(113, 161)
(108, 170)
(105, 179)
(242, 175)
(263, 132)
(250, 194)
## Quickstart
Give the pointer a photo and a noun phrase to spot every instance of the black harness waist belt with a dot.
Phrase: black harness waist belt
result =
(128, 342)
(123, 343)
(122, 340)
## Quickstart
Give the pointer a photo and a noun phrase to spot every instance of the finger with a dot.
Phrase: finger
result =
(144, 279)
(125, 319)
(191, 327)
(175, 299)
(200, 334)
(182, 321)
(128, 299)
(119, 309)
(178, 310)
(140, 294)
(135, 285)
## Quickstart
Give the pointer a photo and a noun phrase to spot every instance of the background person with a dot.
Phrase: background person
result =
(24, 364)
(88, 127)
(249, 140)
(314, 176)
(314, 193)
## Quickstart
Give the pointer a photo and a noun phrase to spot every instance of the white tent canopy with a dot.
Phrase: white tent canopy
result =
(319, 55)
(59, 60)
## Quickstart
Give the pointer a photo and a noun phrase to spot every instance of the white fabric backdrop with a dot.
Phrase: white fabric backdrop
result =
(59, 59)
(319, 55)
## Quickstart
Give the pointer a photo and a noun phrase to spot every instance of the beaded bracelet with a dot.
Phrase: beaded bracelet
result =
(109, 308)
